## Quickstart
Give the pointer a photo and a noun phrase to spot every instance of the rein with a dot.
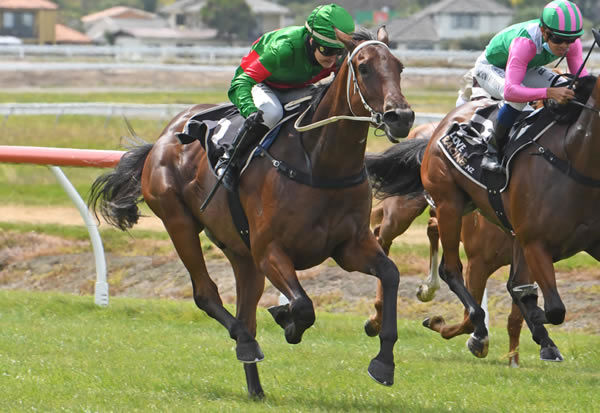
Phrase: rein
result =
(376, 118)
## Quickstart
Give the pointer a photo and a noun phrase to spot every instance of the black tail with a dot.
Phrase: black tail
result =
(117, 193)
(397, 171)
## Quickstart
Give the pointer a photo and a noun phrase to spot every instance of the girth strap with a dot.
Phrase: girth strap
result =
(307, 179)
(495, 182)
(240, 221)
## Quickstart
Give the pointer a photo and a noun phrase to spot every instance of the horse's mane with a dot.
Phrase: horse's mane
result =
(570, 112)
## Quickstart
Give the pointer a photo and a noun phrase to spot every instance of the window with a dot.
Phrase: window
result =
(8, 20)
(465, 21)
(18, 24)
(27, 19)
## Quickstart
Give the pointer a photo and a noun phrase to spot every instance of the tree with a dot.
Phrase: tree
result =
(233, 19)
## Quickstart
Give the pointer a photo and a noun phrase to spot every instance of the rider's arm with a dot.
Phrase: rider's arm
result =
(522, 50)
(575, 58)
(254, 69)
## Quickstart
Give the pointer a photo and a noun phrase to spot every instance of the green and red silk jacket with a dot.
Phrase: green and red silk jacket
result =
(280, 60)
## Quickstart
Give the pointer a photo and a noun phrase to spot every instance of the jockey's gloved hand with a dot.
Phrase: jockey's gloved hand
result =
(255, 118)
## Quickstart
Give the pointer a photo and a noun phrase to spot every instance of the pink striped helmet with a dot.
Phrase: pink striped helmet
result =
(563, 18)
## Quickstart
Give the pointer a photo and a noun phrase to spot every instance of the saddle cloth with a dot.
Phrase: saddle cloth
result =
(465, 143)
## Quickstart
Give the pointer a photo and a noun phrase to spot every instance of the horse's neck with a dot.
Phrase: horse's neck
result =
(583, 138)
(337, 149)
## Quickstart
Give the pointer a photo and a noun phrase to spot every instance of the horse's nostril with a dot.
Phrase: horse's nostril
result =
(399, 115)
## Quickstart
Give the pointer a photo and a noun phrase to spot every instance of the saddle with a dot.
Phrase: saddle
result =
(465, 143)
(217, 127)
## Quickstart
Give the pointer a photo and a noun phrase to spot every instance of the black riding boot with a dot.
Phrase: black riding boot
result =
(228, 164)
(492, 158)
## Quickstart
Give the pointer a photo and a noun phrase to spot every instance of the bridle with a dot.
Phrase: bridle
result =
(376, 118)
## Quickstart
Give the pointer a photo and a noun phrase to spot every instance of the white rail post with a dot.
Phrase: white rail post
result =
(101, 287)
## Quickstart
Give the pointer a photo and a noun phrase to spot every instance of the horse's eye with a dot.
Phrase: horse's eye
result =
(363, 69)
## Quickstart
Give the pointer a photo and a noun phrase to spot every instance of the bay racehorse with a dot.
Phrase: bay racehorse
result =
(550, 202)
(292, 225)
(486, 246)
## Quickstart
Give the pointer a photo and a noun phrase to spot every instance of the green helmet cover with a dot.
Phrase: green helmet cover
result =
(323, 19)
(563, 18)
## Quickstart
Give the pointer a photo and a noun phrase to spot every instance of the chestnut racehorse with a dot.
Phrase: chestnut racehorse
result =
(550, 204)
(292, 225)
(487, 248)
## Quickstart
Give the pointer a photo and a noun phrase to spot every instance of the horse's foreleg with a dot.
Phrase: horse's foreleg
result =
(249, 285)
(299, 314)
(395, 214)
(367, 256)
(426, 291)
(449, 223)
(182, 229)
(524, 294)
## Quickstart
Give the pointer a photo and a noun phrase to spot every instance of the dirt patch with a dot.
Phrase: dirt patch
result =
(35, 261)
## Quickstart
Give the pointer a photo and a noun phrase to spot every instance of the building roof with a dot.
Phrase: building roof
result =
(266, 7)
(65, 34)
(28, 4)
(256, 6)
(118, 12)
(410, 30)
(422, 27)
(169, 33)
(464, 6)
(184, 6)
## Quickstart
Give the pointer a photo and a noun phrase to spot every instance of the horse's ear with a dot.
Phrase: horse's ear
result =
(349, 43)
(382, 35)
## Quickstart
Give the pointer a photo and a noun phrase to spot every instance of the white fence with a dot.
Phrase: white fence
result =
(129, 110)
(208, 54)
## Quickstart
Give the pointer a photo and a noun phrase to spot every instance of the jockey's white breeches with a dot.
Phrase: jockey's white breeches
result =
(492, 78)
(266, 100)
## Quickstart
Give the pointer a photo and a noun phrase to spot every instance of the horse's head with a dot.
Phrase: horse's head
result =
(376, 74)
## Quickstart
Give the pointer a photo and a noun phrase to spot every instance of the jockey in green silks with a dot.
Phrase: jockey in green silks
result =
(292, 57)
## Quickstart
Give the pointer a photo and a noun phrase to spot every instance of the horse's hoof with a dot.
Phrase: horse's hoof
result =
(258, 396)
(372, 328)
(249, 352)
(477, 346)
(431, 322)
(281, 314)
(425, 294)
(550, 354)
(381, 373)
(291, 334)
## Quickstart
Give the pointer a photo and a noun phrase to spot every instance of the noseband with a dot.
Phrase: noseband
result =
(376, 118)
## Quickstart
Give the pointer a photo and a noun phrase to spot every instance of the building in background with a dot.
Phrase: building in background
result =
(128, 26)
(32, 21)
(188, 13)
(448, 20)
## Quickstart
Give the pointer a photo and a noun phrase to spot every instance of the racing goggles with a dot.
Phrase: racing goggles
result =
(552, 37)
(330, 51)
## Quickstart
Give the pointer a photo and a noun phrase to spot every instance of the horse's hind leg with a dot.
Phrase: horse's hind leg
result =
(514, 325)
(524, 294)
